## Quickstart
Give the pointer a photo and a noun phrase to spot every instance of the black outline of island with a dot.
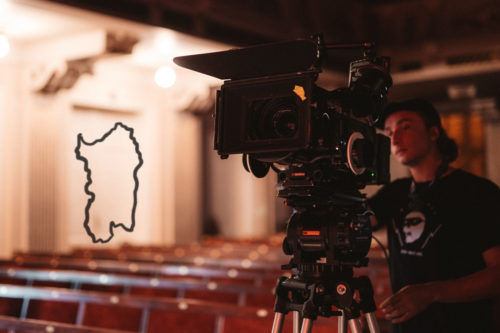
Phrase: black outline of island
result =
(112, 224)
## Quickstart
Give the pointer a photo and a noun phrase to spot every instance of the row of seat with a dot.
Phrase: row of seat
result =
(14, 324)
(186, 287)
(135, 313)
(241, 275)
(89, 288)
(262, 254)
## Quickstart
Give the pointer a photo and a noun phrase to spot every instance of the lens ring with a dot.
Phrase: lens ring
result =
(350, 149)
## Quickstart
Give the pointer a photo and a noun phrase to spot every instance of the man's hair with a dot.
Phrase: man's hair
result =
(447, 147)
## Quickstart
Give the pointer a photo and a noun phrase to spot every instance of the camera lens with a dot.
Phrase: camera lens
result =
(274, 119)
(360, 153)
(285, 123)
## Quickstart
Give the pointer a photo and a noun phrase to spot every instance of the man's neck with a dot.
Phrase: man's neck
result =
(425, 170)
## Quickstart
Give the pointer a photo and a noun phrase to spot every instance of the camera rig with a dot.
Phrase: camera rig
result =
(324, 147)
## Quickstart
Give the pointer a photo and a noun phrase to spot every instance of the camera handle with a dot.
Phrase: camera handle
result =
(306, 310)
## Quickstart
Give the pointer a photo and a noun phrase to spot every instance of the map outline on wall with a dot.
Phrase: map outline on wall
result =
(92, 195)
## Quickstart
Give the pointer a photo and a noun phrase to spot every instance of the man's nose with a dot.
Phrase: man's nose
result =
(396, 137)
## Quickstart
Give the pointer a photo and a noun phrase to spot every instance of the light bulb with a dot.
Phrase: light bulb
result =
(165, 76)
(4, 46)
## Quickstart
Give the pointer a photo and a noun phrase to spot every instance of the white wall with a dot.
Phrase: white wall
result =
(242, 205)
(42, 196)
(13, 157)
(124, 86)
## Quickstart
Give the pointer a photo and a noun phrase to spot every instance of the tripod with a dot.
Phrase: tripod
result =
(313, 292)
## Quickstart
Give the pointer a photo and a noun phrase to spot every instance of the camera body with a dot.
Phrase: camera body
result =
(287, 119)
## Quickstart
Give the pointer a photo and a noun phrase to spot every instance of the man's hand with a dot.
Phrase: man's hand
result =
(408, 302)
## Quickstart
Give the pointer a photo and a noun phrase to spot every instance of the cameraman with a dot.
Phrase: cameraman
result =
(443, 230)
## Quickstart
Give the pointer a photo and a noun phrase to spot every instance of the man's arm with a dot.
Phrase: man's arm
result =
(413, 299)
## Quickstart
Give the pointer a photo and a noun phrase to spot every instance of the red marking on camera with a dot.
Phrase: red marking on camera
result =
(310, 233)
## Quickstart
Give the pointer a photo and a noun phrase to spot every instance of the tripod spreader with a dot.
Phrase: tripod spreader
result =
(315, 297)
(308, 299)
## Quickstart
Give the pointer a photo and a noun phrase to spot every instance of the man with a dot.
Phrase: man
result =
(443, 230)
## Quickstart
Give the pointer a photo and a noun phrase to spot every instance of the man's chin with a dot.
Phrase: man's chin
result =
(409, 162)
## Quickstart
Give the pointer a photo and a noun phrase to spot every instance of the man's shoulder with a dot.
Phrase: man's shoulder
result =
(466, 178)
(471, 185)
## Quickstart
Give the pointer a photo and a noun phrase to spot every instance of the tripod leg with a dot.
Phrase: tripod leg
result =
(372, 322)
(279, 318)
(307, 325)
(297, 322)
(342, 324)
(354, 325)
(367, 303)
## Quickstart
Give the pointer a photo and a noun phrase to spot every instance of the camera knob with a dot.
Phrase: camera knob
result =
(286, 247)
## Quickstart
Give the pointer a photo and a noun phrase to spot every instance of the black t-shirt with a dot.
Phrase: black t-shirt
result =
(438, 231)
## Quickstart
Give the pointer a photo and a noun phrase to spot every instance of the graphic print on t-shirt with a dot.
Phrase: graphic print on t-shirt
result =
(413, 226)
(414, 233)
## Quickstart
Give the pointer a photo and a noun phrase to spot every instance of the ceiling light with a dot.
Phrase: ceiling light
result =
(165, 76)
(164, 43)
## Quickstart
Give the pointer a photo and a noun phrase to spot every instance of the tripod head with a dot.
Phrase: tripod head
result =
(325, 234)
(328, 235)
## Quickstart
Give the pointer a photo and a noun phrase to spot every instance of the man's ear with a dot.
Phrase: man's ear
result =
(434, 133)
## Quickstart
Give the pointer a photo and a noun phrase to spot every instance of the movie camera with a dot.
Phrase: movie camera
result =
(324, 147)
